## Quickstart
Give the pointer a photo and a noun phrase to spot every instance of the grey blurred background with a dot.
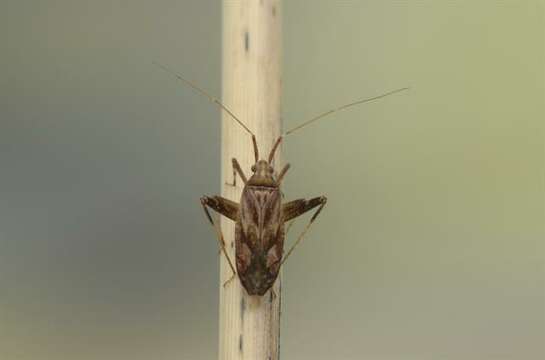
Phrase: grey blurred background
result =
(431, 246)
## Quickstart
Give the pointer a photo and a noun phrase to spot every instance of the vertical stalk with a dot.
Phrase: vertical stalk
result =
(249, 325)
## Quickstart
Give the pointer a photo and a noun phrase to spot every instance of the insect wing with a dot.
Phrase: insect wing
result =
(259, 236)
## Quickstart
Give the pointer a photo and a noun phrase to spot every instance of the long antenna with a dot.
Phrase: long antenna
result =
(329, 112)
(202, 92)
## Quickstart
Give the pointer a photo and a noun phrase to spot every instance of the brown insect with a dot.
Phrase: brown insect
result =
(261, 215)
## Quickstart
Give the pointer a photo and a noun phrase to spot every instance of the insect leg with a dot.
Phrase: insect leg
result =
(289, 227)
(229, 280)
(295, 208)
(299, 207)
(224, 207)
(273, 294)
(237, 168)
(283, 172)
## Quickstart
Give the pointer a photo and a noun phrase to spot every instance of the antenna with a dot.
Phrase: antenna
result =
(210, 98)
(279, 140)
(329, 112)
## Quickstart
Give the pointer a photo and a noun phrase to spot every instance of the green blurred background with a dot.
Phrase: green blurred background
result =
(431, 246)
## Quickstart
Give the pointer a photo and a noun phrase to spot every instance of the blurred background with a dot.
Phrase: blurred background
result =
(431, 246)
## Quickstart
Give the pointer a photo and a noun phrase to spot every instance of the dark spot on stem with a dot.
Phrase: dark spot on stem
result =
(246, 41)
(273, 10)
(242, 309)
(240, 343)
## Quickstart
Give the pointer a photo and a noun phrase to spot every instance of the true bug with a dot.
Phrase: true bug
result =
(260, 215)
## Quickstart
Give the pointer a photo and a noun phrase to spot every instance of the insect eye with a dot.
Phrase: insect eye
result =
(253, 168)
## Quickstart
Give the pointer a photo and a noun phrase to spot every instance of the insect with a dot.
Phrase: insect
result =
(261, 215)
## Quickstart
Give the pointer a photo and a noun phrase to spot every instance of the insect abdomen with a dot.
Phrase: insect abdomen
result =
(259, 237)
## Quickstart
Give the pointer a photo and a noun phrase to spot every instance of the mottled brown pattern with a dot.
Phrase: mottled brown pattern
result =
(259, 224)
(259, 229)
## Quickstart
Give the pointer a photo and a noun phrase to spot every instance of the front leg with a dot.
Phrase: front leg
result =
(237, 168)
(282, 173)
